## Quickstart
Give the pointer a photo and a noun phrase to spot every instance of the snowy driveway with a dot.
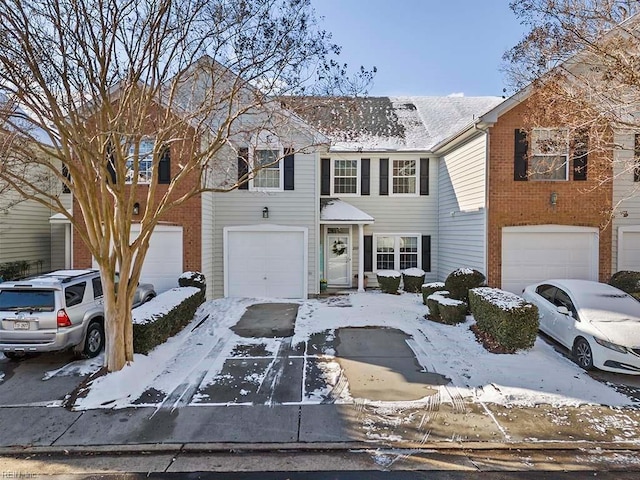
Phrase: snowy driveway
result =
(209, 364)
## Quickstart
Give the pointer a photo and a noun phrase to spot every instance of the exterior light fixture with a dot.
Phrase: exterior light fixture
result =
(265, 212)
(553, 199)
(136, 208)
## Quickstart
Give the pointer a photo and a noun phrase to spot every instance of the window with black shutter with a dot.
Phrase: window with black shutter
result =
(424, 176)
(325, 176)
(289, 169)
(580, 156)
(365, 176)
(636, 159)
(384, 176)
(67, 175)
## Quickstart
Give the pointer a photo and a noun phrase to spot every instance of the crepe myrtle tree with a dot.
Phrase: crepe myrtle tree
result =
(113, 85)
(581, 60)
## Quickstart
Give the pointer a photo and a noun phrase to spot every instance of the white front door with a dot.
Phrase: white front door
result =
(338, 259)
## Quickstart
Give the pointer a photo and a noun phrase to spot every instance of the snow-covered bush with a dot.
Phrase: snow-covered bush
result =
(433, 303)
(412, 280)
(389, 280)
(192, 279)
(429, 288)
(164, 316)
(627, 281)
(447, 310)
(461, 280)
(506, 317)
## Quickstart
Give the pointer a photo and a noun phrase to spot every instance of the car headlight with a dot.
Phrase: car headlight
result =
(612, 346)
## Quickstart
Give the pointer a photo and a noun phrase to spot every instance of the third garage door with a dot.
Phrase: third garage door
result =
(535, 253)
(266, 261)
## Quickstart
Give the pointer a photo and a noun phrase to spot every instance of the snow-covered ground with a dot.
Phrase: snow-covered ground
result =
(538, 376)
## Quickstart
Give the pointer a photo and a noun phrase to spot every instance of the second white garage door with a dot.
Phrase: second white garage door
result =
(629, 248)
(265, 261)
(535, 253)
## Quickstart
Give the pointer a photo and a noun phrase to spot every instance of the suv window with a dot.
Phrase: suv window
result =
(97, 287)
(40, 300)
(74, 294)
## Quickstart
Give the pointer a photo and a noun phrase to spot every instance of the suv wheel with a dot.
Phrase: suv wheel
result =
(94, 340)
(15, 356)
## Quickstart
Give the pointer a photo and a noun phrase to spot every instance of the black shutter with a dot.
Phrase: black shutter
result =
(520, 157)
(289, 171)
(164, 166)
(365, 176)
(368, 253)
(67, 175)
(636, 159)
(325, 176)
(111, 169)
(426, 253)
(424, 176)
(243, 168)
(384, 176)
(580, 153)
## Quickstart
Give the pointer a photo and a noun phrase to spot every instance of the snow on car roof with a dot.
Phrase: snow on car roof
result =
(589, 294)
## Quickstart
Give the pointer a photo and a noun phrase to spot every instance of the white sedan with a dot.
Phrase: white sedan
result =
(597, 322)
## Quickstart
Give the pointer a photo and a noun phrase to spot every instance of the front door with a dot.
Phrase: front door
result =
(339, 258)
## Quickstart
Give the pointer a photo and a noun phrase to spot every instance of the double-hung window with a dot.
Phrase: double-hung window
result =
(267, 163)
(345, 176)
(549, 154)
(404, 177)
(144, 160)
(396, 252)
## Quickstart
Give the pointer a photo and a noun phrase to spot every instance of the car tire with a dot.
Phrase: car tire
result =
(15, 356)
(582, 353)
(93, 340)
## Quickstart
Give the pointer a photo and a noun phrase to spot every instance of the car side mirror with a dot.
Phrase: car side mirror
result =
(564, 310)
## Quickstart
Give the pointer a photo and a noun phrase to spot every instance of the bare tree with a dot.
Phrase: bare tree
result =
(98, 78)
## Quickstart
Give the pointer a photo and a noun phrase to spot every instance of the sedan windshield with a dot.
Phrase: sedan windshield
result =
(27, 300)
(611, 307)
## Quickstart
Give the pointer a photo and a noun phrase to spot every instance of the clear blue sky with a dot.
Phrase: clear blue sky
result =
(424, 47)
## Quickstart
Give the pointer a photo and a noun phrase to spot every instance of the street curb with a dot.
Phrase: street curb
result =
(197, 448)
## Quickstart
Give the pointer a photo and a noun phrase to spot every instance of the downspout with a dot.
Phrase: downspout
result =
(485, 130)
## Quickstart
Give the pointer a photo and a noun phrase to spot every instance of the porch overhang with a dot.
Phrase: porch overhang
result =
(338, 212)
(59, 218)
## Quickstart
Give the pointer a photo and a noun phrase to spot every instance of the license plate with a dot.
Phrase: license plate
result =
(21, 325)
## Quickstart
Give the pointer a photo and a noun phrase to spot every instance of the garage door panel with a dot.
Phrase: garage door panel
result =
(629, 254)
(533, 256)
(265, 263)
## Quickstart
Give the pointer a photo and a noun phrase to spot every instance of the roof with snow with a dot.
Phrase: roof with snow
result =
(336, 210)
(390, 123)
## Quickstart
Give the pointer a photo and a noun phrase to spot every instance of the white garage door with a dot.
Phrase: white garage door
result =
(536, 253)
(265, 261)
(629, 248)
(163, 263)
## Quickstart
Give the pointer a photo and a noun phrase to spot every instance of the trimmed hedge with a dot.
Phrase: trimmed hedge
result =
(430, 288)
(506, 317)
(412, 280)
(461, 280)
(389, 281)
(151, 328)
(627, 281)
(453, 311)
(433, 303)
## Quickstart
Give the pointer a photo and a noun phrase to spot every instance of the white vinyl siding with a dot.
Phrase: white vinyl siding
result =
(297, 208)
(25, 234)
(462, 213)
(626, 197)
(396, 214)
(208, 214)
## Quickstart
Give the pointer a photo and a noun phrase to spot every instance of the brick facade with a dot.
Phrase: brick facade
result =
(188, 215)
(516, 203)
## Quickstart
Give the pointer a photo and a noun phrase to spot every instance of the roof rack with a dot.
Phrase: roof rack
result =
(69, 277)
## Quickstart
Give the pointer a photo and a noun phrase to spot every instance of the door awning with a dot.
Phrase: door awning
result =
(59, 218)
(334, 210)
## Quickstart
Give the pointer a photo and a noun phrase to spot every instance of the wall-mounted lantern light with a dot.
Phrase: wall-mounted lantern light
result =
(265, 212)
(553, 199)
(136, 208)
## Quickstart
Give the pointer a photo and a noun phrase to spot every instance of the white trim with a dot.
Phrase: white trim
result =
(396, 253)
(349, 252)
(417, 177)
(621, 232)
(265, 228)
(332, 176)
